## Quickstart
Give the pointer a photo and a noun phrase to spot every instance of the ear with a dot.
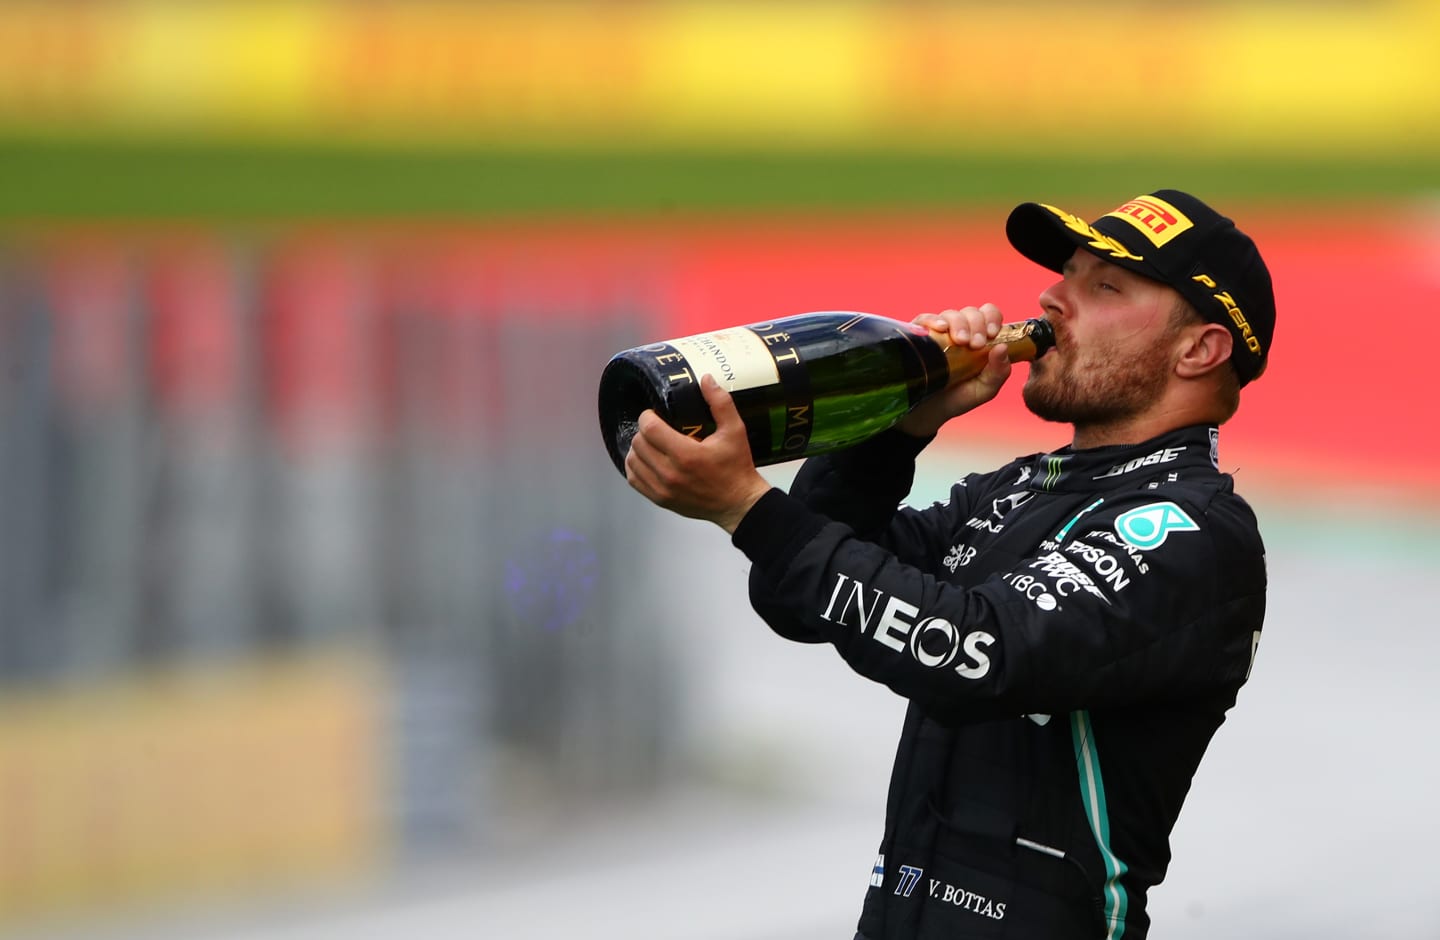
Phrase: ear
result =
(1203, 349)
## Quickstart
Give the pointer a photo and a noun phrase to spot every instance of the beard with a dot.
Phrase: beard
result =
(1098, 387)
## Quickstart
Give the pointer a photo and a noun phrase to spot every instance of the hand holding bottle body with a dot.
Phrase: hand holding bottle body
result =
(712, 479)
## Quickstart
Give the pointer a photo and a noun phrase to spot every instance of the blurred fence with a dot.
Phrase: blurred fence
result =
(223, 457)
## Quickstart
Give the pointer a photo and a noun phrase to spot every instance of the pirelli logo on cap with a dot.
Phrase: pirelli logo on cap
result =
(1155, 218)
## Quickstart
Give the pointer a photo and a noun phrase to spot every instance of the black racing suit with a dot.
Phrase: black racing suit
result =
(1069, 630)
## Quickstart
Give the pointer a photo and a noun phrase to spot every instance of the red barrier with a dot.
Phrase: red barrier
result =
(1344, 400)
(196, 354)
(1345, 395)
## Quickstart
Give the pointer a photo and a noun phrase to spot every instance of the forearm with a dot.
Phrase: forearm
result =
(966, 652)
(861, 487)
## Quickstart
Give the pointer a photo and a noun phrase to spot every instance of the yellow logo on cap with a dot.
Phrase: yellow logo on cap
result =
(1237, 316)
(1098, 239)
(1155, 218)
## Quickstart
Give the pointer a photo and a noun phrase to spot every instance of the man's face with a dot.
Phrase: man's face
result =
(1114, 344)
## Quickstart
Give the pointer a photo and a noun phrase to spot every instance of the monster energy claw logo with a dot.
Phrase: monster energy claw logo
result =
(1054, 467)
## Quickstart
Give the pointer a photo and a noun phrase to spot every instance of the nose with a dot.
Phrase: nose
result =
(1053, 299)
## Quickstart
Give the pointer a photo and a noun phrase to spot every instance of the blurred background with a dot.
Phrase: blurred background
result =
(323, 613)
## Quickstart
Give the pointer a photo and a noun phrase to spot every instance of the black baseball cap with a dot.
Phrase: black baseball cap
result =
(1178, 240)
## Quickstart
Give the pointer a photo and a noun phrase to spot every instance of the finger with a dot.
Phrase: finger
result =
(967, 327)
(654, 446)
(932, 321)
(649, 468)
(640, 443)
(937, 327)
(722, 405)
(994, 319)
(997, 367)
(660, 438)
(642, 455)
(637, 474)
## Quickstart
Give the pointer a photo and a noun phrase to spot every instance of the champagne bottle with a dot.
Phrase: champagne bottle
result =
(803, 385)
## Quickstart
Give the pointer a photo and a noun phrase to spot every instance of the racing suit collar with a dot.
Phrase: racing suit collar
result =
(1177, 452)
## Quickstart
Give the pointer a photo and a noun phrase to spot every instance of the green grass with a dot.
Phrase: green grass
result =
(57, 180)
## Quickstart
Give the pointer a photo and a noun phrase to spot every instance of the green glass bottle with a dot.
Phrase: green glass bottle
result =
(803, 385)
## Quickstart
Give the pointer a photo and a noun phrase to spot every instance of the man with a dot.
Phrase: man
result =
(1070, 629)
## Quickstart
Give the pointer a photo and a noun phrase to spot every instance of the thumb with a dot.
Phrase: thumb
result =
(722, 406)
(997, 370)
(997, 367)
